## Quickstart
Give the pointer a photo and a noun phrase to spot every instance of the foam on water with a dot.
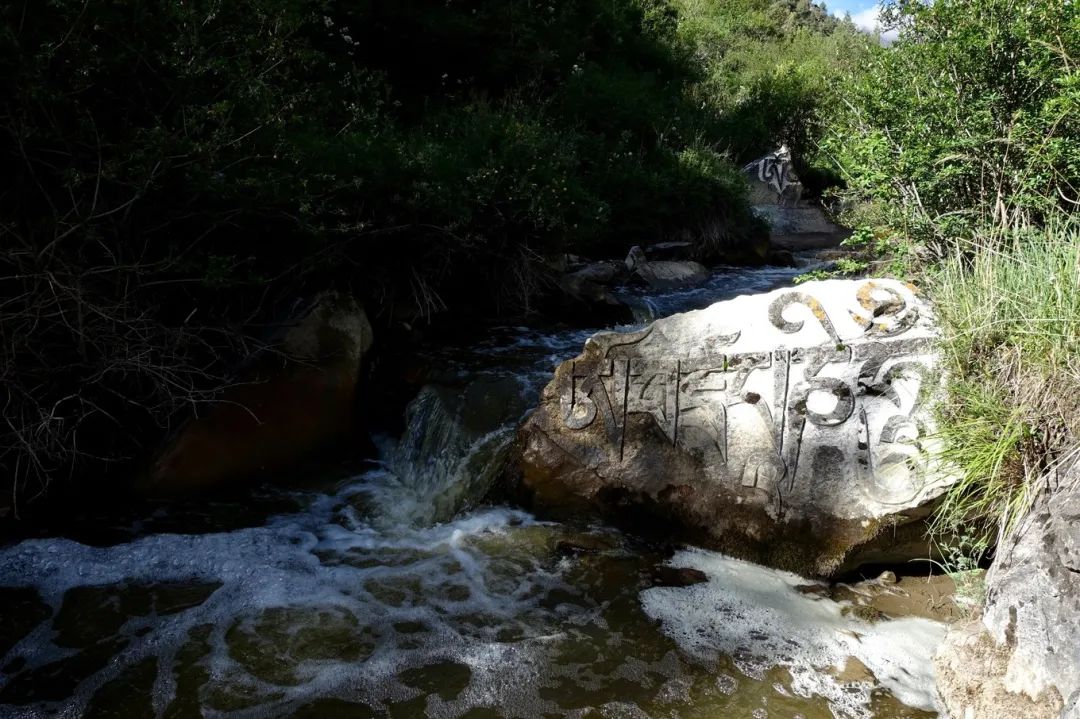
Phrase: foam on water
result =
(758, 617)
(478, 612)
(358, 584)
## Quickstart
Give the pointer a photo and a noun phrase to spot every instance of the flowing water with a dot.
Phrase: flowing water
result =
(397, 592)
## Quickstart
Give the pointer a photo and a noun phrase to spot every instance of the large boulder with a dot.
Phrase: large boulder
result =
(787, 428)
(288, 405)
(1026, 651)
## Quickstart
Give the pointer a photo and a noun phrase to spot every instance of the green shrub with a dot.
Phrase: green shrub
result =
(970, 119)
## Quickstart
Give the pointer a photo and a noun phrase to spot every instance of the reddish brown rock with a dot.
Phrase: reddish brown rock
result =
(282, 410)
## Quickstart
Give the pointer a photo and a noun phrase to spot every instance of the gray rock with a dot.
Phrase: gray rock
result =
(665, 274)
(1033, 596)
(785, 221)
(603, 273)
(787, 428)
(970, 668)
(773, 180)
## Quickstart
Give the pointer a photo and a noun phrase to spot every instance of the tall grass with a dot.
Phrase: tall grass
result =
(1009, 304)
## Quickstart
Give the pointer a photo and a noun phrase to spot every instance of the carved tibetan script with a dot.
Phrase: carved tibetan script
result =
(773, 419)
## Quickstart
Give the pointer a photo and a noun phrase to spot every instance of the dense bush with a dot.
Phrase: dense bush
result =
(971, 118)
(772, 69)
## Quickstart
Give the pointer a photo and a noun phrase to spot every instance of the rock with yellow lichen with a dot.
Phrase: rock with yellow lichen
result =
(788, 428)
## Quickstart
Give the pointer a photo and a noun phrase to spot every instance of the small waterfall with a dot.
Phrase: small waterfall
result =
(447, 459)
(643, 307)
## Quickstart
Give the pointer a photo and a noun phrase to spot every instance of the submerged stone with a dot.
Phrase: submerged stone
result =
(788, 428)
(668, 576)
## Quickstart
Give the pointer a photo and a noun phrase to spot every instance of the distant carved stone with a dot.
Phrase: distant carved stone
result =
(787, 428)
(776, 172)
(776, 195)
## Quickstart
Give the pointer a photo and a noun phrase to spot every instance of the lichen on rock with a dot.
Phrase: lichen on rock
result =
(787, 428)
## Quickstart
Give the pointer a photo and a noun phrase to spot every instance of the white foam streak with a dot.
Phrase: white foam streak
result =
(758, 617)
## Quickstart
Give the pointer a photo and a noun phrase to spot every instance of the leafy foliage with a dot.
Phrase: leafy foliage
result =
(771, 68)
(958, 146)
(1011, 305)
(969, 119)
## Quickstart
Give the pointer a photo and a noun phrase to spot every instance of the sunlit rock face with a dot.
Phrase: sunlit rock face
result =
(1023, 659)
(788, 428)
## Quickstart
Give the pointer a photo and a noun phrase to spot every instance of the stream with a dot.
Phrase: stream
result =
(399, 591)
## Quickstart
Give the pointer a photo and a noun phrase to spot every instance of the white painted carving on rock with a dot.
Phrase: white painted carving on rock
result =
(804, 402)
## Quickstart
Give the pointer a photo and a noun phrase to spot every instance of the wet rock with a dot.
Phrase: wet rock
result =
(284, 409)
(786, 428)
(853, 671)
(670, 251)
(665, 576)
(1032, 610)
(601, 273)
(665, 274)
(782, 258)
(581, 544)
(581, 301)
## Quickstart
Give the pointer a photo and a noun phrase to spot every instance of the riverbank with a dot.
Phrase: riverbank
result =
(1011, 305)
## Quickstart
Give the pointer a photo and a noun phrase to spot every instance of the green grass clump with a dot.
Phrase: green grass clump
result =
(1009, 304)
